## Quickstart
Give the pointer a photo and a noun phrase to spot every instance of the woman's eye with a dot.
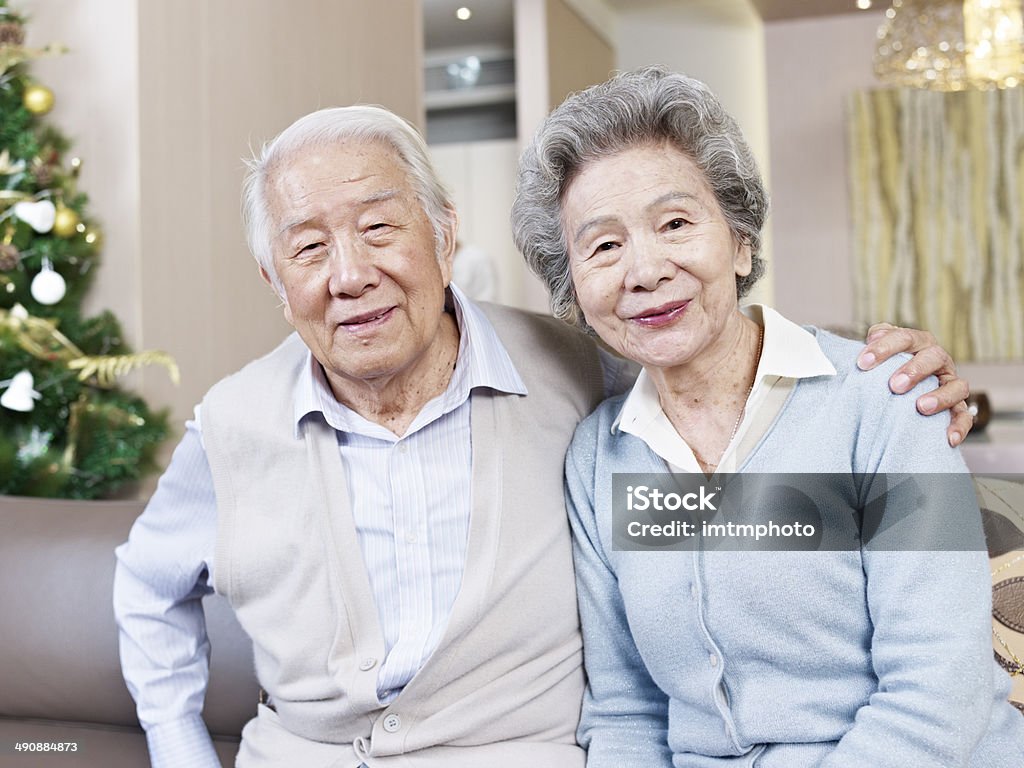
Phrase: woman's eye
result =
(378, 226)
(676, 224)
(606, 246)
(310, 247)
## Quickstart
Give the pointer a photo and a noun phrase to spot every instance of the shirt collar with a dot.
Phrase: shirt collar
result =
(788, 351)
(482, 361)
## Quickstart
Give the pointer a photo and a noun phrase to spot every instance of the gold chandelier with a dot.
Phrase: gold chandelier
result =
(949, 45)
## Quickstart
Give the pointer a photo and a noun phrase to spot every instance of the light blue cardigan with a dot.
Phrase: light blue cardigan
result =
(790, 659)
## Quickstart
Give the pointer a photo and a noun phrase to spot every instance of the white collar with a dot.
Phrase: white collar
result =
(788, 351)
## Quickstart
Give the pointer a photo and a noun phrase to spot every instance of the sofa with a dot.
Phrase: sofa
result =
(60, 677)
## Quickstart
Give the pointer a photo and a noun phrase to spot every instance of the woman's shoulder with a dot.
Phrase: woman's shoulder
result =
(601, 422)
(843, 354)
(887, 430)
(597, 433)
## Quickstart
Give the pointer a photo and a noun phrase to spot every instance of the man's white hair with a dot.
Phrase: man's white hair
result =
(335, 126)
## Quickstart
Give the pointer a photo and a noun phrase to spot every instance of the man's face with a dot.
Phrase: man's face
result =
(356, 256)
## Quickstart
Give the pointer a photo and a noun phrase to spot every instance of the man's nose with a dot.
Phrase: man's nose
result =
(649, 265)
(352, 271)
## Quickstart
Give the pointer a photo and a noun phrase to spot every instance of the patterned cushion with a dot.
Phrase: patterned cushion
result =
(1002, 510)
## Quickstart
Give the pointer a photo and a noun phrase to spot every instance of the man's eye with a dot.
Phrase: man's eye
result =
(676, 224)
(378, 226)
(311, 247)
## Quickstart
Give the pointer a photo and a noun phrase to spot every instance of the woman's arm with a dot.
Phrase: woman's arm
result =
(625, 715)
(929, 597)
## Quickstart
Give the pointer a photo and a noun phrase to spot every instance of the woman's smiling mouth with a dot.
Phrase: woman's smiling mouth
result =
(660, 316)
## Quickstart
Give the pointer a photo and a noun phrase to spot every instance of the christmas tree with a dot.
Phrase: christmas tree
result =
(66, 428)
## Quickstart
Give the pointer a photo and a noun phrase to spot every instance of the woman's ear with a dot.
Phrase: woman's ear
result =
(743, 260)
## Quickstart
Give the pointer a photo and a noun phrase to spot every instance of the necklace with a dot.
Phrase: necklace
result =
(743, 409)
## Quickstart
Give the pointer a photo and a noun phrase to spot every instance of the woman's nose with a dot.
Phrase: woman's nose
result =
(649, 266)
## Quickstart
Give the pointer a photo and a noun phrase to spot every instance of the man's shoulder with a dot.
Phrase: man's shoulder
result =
(553, 358)
(279, 367)
(510, 319)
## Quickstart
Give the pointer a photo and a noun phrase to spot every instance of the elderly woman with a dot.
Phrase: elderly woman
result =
(639, 203)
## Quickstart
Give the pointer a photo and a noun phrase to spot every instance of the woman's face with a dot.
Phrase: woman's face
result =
(652, 259)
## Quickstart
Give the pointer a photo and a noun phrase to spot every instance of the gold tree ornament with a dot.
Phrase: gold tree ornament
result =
(38, 336)
(41, 339)
(65, 222)
(12, 54)
(7, 168)
(38, 99)
(106, 369)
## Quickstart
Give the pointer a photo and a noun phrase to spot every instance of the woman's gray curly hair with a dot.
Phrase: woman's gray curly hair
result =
(649, 105)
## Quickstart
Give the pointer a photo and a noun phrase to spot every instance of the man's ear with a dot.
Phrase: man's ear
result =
(446, 255)
(284, 299)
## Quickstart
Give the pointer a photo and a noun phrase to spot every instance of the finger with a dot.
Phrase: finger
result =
(878, 330)
(948, 396)
(932, 361)
(960, 424)
(883, 347)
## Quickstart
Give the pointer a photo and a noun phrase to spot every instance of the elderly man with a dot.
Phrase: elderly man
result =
(380, 498)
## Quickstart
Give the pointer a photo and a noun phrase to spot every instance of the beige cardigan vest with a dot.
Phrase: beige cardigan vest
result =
(505, 683)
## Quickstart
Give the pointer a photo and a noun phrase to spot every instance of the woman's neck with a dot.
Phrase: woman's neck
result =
(705, 399)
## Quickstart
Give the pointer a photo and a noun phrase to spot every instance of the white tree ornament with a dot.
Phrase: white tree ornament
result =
(19, 394)
(39, 215)
(48, 287)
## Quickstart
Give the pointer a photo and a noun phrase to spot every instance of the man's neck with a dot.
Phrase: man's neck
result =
(394, 401)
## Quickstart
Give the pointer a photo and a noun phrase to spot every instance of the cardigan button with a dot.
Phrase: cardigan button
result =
(367, 664)
(713, 659)
(392, 723)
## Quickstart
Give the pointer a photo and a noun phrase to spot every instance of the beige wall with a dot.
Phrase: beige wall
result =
(813, 67)
(164, 99)
(481, 176)
(578, 55)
